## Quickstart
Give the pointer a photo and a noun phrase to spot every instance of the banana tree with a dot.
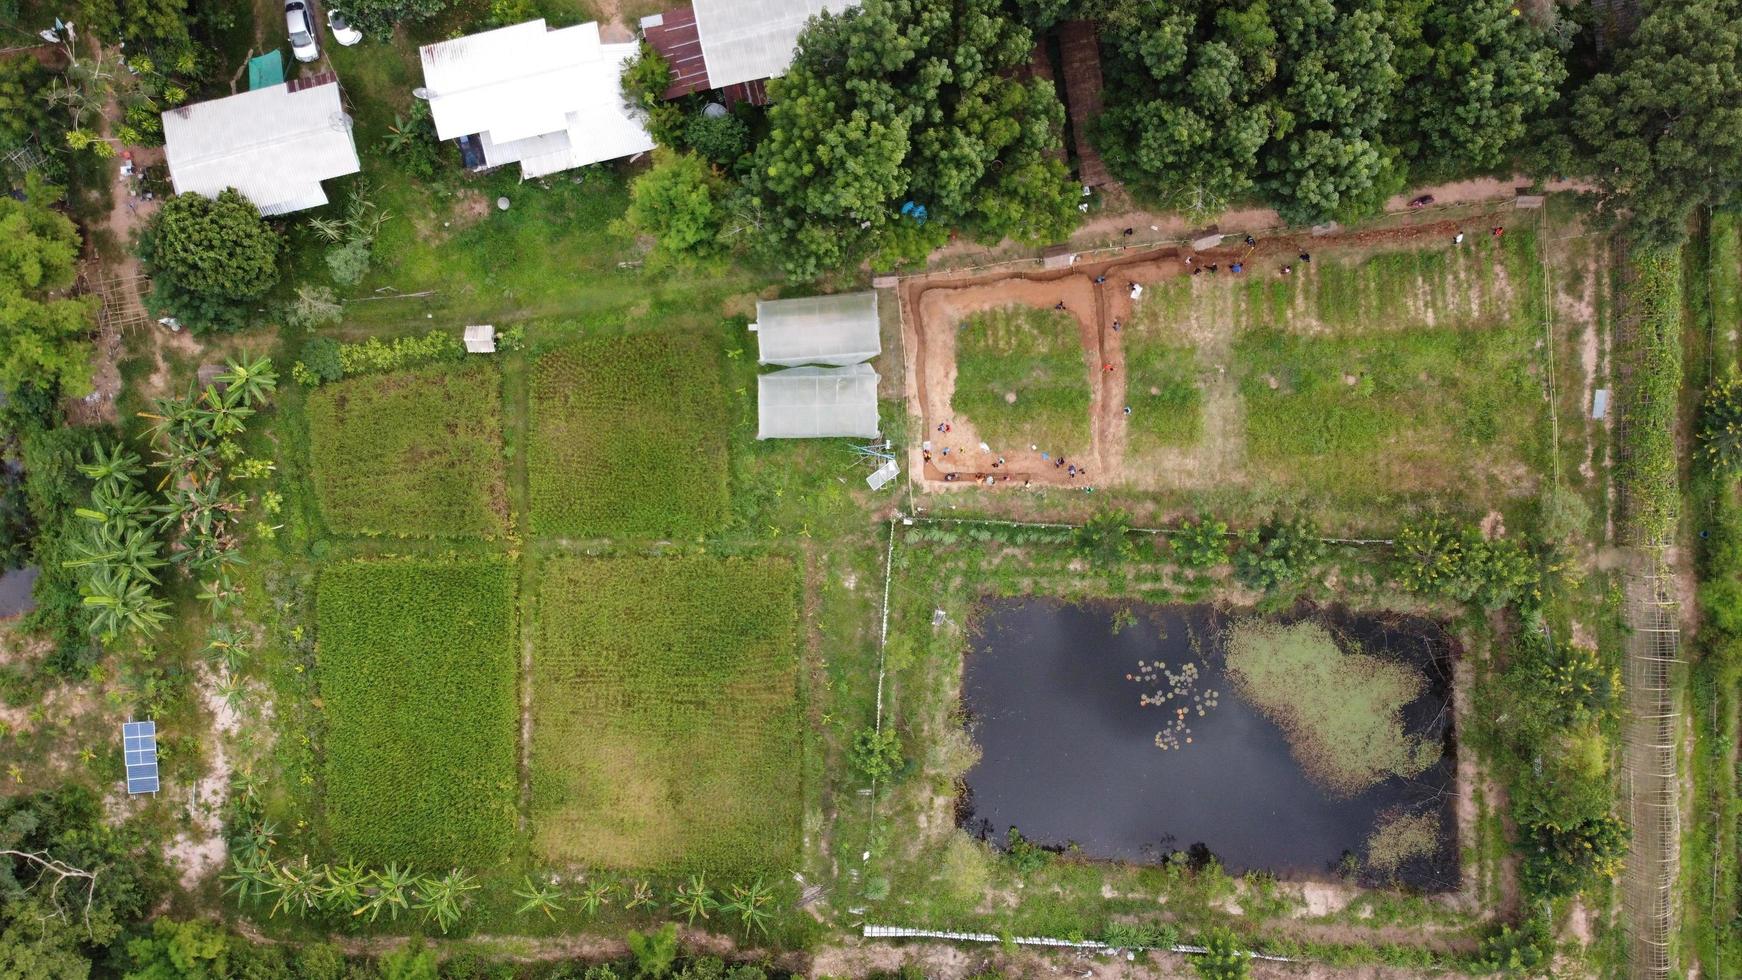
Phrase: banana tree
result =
(112, 466)
(118, 604)
(343, 890)
(538, 898)
(439, 899)
(390, 890)
(249, 381)
(693, 900)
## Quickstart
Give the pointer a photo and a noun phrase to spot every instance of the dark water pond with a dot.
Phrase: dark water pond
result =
(15, 588)
(1069, 754)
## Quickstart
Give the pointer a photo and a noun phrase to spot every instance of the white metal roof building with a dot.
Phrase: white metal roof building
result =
(547, 100)
(817, 402)
(840, 329)
(744, 40)
(274, 144)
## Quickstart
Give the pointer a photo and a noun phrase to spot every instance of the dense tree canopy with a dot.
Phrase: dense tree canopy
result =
(210, 258)
(904, 101)
(1318, 108)
(1663, 129)
(42, 339)
(678, 202)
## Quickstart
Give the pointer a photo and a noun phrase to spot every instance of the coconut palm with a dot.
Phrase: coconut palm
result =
(439, 899)
(249, 381)
(693, 900)
(538, 897)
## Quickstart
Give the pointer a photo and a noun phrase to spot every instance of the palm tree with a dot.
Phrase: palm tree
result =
(439, 898)
(538, 897)
(595, 894)
(640, 895)
(693, 900)
(113, 466)
(750, 905)
(343, 889)
(390, 891)
(249, 381)
(119, 604)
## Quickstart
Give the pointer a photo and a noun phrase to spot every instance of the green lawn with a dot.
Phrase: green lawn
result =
(417, 673)
(1036, 355)
(1161, 386)
(417, 453)
(666, 729)
(628, 435)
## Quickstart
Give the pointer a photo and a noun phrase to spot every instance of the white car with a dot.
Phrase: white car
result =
(342, 30)
(301, 25)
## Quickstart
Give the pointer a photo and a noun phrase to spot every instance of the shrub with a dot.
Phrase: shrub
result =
(1146, 935)
(349, 263)
(877, 754)
(1434, 557)
(1105, 539)
(654, 952)
(1025, 855)
(1278, 553)
(1560, 860)
(644, 84)
(320, 359)
(1202, 543)
(1524, 950)
(721, 139)
(1223, 959)
(678, 203)
(1721, 425)
(1648, 470)
(314, 306)
(210, 259)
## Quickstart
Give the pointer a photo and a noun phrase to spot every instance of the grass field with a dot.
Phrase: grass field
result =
(417, 453)
(1036, 355)
(628, 436)
(1161, 386)
(665, 716)
(418, 681)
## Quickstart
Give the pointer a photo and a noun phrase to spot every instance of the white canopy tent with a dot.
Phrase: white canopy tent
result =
(547, 100)
(817, 402)
(839, 330)
(275, 145)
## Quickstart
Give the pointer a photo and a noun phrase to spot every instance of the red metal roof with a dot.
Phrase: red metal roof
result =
(1080, 53)
(678, 42)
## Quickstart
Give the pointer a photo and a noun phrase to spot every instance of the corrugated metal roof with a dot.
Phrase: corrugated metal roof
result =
(549, 100)
(840, 329)
(744, 40)
(676, 40)
(814, 402)
(275, 145)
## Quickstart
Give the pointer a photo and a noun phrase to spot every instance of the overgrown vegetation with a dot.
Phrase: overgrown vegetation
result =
(436, 471)
(417, 680)
(666, 730)
(1648, 471)
(628, 436)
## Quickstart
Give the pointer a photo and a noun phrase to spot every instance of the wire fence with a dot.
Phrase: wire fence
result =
(1650, 765)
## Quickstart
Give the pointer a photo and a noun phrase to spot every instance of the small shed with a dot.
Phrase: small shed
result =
(481, 339)
(817, 402)
(839, 330)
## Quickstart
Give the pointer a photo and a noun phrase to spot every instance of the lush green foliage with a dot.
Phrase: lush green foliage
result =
(628, 436)
(718, 139)
(1721, 425)
(210, 259)
(436, 471)
(877, 754)
(1105, 538)
(908, 100)
(1278, 553)
(23, 111)
(1036, 355)
(118, 557)
(1202, 543)
(53, 925)
(1660, 128)
(666, 730)
(325, 359)
(1320, 108)
(1223, 959)
(1161, 387)
(1560, 860)
(1648, 472)
(1437, 557)
(1521, 951)
(677, 201)
(379, 16)
(55, 489)
(418, 681)
(42, 332)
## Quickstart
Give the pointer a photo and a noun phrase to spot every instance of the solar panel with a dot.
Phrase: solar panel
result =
(139, 747)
